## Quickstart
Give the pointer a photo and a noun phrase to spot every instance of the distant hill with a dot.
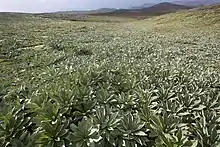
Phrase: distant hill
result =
(102, 10)
(144, 11)
(158, 9)
(165, 7)
(146, 5)
(192, 3)
(196, 3)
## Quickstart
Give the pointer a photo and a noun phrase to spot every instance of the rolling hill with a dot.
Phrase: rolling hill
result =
(146, 5)
(196, 3)
(191, 3)
(102, 10)
(158, 9)
(165, 7)
(139, 12)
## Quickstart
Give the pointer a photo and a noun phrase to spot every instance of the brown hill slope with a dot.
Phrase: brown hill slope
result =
(165, 7)
(207, 17)
(161, 8)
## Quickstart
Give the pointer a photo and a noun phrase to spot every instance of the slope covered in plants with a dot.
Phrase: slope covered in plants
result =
(153, 82)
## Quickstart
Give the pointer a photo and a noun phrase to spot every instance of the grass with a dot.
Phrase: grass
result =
(160, 75)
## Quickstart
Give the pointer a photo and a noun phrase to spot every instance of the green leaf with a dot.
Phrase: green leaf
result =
(140, 133)
(17, 143)
(184, 114)
(201, 107)
(73, 127)
(195, 143)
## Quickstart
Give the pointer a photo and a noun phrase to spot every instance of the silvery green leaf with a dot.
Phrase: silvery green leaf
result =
(97, 139)
(140, 133)
(195, 143)
(201, 107)
(184, 114)
(92, 131)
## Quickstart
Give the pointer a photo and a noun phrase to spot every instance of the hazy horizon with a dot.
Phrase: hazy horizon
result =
(35, 6)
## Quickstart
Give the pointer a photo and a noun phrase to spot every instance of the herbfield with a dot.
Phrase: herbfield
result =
(127, 83)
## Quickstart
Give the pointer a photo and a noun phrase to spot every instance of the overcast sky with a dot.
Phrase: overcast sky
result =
(57, 5)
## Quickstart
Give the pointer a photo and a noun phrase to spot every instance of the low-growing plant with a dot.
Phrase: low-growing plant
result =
(147, 83)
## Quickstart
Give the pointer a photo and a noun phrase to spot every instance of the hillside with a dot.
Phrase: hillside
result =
(102, 10)
(197, 17)
(158, 9)
(140, 12)
(196, 3)
(190, 3)
(146, 5)
(143, 83)
(165, 7)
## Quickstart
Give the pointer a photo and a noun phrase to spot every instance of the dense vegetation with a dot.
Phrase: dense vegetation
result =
(153, 82)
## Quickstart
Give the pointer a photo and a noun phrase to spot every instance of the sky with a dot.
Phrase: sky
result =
(65, 5)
